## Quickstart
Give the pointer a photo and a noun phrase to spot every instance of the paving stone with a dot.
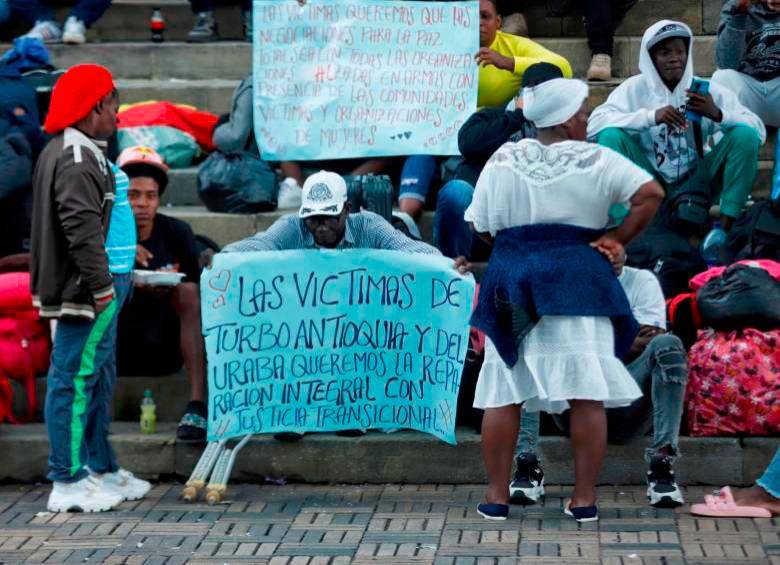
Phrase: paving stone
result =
(399, 526)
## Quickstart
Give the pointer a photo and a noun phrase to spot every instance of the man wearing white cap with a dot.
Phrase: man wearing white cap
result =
(555, 315)
(325, 221)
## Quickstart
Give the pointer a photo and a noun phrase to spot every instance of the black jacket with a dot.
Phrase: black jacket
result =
(483, 133)
(73, 193)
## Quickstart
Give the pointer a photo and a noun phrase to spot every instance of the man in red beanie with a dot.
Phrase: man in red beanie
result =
(73, 193)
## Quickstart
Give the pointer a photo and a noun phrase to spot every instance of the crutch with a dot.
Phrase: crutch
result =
(205, 464)
(215, 491)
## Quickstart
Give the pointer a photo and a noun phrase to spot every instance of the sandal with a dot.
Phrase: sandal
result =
(722, 505)
(193, 425)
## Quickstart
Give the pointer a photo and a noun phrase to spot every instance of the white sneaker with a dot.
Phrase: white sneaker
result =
(47, 31)
(87, 495)
(600, 68)
(289, 194)
(75, 32)
(125, 484)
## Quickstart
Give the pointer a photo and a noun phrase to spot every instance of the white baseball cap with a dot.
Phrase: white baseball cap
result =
(324, 194)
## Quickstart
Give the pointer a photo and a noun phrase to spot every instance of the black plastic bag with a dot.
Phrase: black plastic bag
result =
(743, 297)
(237, 183)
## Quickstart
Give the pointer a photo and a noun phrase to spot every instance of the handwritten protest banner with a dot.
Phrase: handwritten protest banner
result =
(334, 340)
(357, 78)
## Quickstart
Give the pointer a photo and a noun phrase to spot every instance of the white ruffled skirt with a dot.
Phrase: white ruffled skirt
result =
(562, 358)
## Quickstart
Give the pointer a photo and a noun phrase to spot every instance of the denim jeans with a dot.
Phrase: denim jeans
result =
(661, 371)
(88, 11)
(451, 234)
(770, 480)
(79, 388)
(417, 177)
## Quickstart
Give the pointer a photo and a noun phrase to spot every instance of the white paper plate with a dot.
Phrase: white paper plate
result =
(157, 278)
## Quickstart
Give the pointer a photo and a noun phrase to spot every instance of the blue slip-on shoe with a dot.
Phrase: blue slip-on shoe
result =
(493, 511)
(582, 513)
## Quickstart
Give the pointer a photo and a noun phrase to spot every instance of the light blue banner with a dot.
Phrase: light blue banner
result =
(334, 340)
(358, 78)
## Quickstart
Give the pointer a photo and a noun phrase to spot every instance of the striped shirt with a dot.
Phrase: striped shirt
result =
(121, 238)
(365, 230)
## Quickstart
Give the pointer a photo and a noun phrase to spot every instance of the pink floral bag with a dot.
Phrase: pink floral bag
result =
(734, 383)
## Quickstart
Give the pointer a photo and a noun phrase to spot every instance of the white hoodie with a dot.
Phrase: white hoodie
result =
(633, 104)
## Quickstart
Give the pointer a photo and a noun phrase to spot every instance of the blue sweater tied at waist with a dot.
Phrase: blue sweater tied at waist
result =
(548, 270)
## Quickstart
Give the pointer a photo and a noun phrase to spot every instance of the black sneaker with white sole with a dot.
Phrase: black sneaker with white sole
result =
(527, 487)
(662, 490)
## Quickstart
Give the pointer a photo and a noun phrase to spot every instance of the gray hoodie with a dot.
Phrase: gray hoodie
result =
(749, 42)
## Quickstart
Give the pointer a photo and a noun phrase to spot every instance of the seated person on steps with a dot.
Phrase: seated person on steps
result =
(503, 61)
(41, 14)
(325, 221)
(160, 326)
(644, 120)
(658, 363)
(481, 136)
(748, 55)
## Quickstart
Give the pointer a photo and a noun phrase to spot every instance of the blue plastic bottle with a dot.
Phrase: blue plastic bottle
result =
(713, 248)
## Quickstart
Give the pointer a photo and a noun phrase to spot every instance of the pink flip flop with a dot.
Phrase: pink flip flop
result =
(722, 505)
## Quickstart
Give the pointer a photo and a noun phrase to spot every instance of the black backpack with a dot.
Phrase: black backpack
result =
(669, 255)
(756, 233)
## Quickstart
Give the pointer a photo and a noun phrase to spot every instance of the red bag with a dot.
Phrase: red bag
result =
(197, 123)
(734, 383)
(25, 344)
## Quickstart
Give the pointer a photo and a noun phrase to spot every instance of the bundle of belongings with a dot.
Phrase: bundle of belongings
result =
(179, 133)
(25, 348)
(734, 365)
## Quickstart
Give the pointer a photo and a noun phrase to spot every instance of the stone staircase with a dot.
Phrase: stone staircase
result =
(205, 76)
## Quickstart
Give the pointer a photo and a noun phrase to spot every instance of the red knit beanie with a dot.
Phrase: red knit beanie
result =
(75, 94)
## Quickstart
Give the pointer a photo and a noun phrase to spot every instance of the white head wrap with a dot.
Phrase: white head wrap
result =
(554, 101)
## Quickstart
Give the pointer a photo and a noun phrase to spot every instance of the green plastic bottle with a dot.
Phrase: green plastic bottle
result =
(148, 414)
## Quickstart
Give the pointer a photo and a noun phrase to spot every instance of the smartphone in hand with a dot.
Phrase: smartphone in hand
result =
(699, 86)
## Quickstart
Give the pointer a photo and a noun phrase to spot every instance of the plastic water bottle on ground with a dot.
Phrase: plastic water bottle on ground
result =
(148, 414)
(713, 248)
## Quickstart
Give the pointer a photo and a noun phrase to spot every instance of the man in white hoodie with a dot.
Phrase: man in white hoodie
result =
(644, 119)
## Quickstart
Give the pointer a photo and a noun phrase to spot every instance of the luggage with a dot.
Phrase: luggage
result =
(734, 383)
(669, 255)
(237, 183)
(177, 148)
(372, 193)
(742, 297)
(197, 123)
(756, 233)
(25, 344)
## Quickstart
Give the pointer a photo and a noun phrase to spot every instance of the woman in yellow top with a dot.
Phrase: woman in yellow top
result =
(502, 58)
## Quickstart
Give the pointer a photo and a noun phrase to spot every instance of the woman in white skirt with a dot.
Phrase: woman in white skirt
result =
(563, 361)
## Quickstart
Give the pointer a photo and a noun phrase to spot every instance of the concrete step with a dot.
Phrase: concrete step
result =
(388, 458)
(214, 95)
(170, 392)
(128, 20)
(183, 186)
(226, 228)
(230, 60)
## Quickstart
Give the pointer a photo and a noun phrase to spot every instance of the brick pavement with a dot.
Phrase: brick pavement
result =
(362, 525)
